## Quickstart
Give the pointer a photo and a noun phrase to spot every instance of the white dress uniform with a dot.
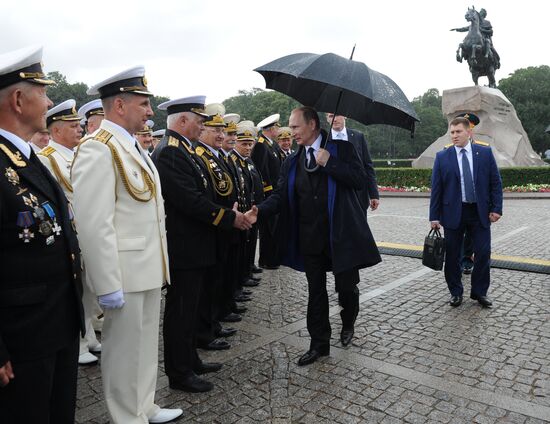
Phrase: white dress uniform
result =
(119, 214)
(58, 159)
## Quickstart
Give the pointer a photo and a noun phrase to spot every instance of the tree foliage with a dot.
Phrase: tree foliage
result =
(529, 91)
(63, 90)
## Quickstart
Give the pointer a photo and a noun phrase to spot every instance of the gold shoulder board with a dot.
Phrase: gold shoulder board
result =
(103, 136)
(16, 158)
(481, 143)
(46, 151)
(448, 145)
(173, 141)
(261, 140)
(199, 150)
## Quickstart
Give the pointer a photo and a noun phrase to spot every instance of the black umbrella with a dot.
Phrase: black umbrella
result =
(331, 83)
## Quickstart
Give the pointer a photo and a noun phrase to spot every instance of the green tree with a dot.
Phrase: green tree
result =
(257, 104)
(63, 90)
(529, 91)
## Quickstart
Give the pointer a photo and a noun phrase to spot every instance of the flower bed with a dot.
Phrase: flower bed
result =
(528, 188)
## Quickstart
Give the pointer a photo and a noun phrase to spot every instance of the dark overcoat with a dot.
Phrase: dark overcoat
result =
(351, 241)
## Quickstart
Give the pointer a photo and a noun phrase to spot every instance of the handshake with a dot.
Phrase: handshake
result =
(244, 221)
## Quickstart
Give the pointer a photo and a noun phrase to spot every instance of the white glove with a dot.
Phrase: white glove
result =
(113, 300)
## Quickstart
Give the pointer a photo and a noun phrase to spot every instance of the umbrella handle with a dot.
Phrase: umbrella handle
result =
(333, 116)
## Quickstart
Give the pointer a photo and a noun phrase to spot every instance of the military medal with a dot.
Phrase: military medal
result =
(49, 210)
(25, 220)
(12, 175)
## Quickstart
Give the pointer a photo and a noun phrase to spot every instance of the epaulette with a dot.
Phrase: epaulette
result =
(481, 143)
(173, 141)
(261, 140)
(103, 136)
(448, 145)
(15, 158)
(199, 150)
(46, 151)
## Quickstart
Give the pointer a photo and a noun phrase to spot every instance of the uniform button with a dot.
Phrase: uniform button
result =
(73, 256)
(315, 197)
(74, 276)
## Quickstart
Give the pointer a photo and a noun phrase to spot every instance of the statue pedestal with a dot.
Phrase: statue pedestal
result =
(499, 126)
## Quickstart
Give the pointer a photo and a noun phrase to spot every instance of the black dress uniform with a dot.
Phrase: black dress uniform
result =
(267, 160)
(192, 219)
(40, 292)
(225, 194)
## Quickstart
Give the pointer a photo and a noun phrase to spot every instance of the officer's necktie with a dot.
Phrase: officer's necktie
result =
(311, 158)
(469, 192)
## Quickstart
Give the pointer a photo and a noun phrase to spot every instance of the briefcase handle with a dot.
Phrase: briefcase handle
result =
(435, 232)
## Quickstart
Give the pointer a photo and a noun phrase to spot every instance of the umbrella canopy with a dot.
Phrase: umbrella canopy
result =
(317, 81)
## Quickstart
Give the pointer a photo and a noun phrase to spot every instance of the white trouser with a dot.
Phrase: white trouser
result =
(129, 359)
(89, 301)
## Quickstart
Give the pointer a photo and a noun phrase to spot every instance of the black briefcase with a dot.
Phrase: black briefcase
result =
(433, 255)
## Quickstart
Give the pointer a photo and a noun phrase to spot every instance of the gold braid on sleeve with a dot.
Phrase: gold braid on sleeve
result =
(59, 175)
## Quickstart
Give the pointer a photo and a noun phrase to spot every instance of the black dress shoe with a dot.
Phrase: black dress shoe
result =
(231, 318)
(242, 298)
(482, 300)
(193, 384)
(346, 336)
(206, 367)
(257, 279)
(256, 270)
(270, 266)
(246, 292)
(311, 356)
(215, 345)
(467, 270)
(455, 301)
(250, 283)
(226, 332)
(239, 309)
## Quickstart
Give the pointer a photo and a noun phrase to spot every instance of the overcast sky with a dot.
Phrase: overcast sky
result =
(207, 47)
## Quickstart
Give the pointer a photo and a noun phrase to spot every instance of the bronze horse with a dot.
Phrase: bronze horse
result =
(474, 49)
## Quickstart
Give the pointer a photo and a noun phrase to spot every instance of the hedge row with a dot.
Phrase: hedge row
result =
(421, 177)
(398, 163)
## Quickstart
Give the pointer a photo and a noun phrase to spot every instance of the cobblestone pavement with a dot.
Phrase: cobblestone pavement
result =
(413, 359)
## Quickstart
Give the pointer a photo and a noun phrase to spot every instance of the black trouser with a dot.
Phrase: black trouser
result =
(269, 242)
(207, 321)
(231, 277)
(180, 321)
(318, 324)
(43, 390)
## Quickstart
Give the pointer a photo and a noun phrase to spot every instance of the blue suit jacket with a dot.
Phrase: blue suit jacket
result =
(446, 195)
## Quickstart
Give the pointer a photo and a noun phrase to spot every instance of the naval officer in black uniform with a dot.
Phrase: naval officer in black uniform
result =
(40, 305)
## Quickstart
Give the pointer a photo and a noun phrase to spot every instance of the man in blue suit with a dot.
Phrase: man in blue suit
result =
(466, 193)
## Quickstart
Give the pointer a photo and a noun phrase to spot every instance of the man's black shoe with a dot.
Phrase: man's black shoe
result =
(242, 298)
(231, 318)
(346, 336)
(311, 356)
(467, 270)
(250, 283)
(270, 266)
(215, 345)
(239, 309)
(246, 292)
(256, 270)
(455, 301)
(192, 384)
(482, 300)
(226, 332)
(206, 367)
(257, 279)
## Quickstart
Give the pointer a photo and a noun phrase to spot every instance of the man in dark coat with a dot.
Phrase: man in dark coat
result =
(40, 280)
(324, 225)
(368, 196)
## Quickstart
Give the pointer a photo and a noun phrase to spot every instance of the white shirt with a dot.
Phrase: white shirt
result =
(18, 142)
(469, 156)
(339, 135)
(316, 146)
